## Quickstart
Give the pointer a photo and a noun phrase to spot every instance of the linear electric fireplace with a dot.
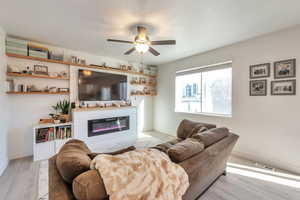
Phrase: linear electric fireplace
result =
(107, 125)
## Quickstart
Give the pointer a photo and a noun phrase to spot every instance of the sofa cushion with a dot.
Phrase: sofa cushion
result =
(131, 148)
(188, 128)
(89, 186)
(212, 136)
(185, 149)
(164, 147)
(73, 160)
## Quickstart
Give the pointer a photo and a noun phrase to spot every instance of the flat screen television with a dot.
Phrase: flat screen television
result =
(100, 86)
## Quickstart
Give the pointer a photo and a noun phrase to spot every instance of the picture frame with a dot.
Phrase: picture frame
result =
(260, 70)
(284, 87)
(285, 69)
(258, 88)
(41, 69)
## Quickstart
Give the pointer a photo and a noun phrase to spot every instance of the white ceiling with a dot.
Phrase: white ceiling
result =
(197, 25)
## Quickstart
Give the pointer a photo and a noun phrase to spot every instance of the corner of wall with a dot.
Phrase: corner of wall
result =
(4, 116)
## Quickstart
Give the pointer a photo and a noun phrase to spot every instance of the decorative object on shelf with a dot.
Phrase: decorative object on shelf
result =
(123, 67)
(53, 55)
(46, 121)
(10, 85)
(63, 89)
(152, 82)
(142, 80)
(129, 67)
(285, 69)
(286, 87)
(82, 61)
(76, 60)
(260, 71)
(16, 46)
(258, 88)
(37, 51)
(62, 109)
(153, 69)
(41, 69)
(13, 69)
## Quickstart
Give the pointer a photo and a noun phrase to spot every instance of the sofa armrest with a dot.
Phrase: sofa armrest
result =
(58, 189)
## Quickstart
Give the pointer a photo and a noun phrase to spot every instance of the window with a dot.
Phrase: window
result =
(204, 90)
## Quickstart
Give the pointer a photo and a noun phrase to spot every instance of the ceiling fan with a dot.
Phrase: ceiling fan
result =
(142, 42)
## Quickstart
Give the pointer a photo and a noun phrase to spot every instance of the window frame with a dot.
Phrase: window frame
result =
(223, 65)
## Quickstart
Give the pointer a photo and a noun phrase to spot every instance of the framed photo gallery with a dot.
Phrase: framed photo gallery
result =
(284, 69)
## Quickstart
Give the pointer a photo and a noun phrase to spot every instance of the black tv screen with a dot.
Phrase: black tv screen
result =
(99, 86)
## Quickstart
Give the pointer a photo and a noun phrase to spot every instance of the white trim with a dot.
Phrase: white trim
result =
(3, 166)
(206, 114)
(202, 68)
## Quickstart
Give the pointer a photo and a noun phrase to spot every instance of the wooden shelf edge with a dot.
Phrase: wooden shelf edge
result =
(62, 93)
(143, 95)
(36, 76)
(144, 84)
(75, 64)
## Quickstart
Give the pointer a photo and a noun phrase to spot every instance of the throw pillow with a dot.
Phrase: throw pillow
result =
(185, 149)
(211, 136)
(73, 160)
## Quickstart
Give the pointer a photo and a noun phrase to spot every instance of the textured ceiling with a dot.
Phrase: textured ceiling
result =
(197, 25)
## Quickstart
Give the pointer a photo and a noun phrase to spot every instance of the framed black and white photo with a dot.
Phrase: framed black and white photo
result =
(260, 71)
(285, 69)
(258, 88)
(41, 69)
(286, 87)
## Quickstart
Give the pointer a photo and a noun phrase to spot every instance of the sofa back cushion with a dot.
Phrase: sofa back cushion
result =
(188, 128)
(211, 136)
(73, 160)
(164, 147)
(185, 149)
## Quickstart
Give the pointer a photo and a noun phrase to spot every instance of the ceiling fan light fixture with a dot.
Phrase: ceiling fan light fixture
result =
(142, 47)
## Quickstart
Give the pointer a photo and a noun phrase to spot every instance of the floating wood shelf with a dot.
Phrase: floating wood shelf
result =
(25, 93)
(145, 84)
(78, 65)
(143, 94)
(36, 76)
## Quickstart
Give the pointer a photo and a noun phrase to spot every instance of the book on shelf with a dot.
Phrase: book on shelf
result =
(63, 132)
(44, 135)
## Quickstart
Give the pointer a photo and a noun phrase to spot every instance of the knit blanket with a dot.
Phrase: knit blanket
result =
(141, 175)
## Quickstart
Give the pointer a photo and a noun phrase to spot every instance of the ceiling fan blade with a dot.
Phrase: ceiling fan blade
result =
(153, 51)
(163, 42)
(121, 41)
(129, 51)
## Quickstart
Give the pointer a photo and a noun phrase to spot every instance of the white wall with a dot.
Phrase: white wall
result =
(26, 110)
(269, 126)
(4, 108)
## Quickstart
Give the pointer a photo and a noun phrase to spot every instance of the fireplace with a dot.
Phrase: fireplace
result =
(107, 125)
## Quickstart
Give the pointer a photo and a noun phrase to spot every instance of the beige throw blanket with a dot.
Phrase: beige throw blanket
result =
(141, 175)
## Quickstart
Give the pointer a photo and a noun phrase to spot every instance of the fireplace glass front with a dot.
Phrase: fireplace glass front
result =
(107, 125)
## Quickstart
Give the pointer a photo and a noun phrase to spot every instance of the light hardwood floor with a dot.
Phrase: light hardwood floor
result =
(20, 181)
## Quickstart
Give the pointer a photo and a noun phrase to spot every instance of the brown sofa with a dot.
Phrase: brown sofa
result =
(75, 181)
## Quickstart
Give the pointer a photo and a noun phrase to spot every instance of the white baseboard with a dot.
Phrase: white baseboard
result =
(3, 166)
(272, 162)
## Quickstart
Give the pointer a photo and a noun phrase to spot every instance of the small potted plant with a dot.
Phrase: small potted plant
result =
(62, 108)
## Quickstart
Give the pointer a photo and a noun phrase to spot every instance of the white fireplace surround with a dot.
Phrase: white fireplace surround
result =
(106, 142)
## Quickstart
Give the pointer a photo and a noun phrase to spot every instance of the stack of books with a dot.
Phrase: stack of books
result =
(63, 132)
(16, 46)
(45, 135)
(37, 51)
